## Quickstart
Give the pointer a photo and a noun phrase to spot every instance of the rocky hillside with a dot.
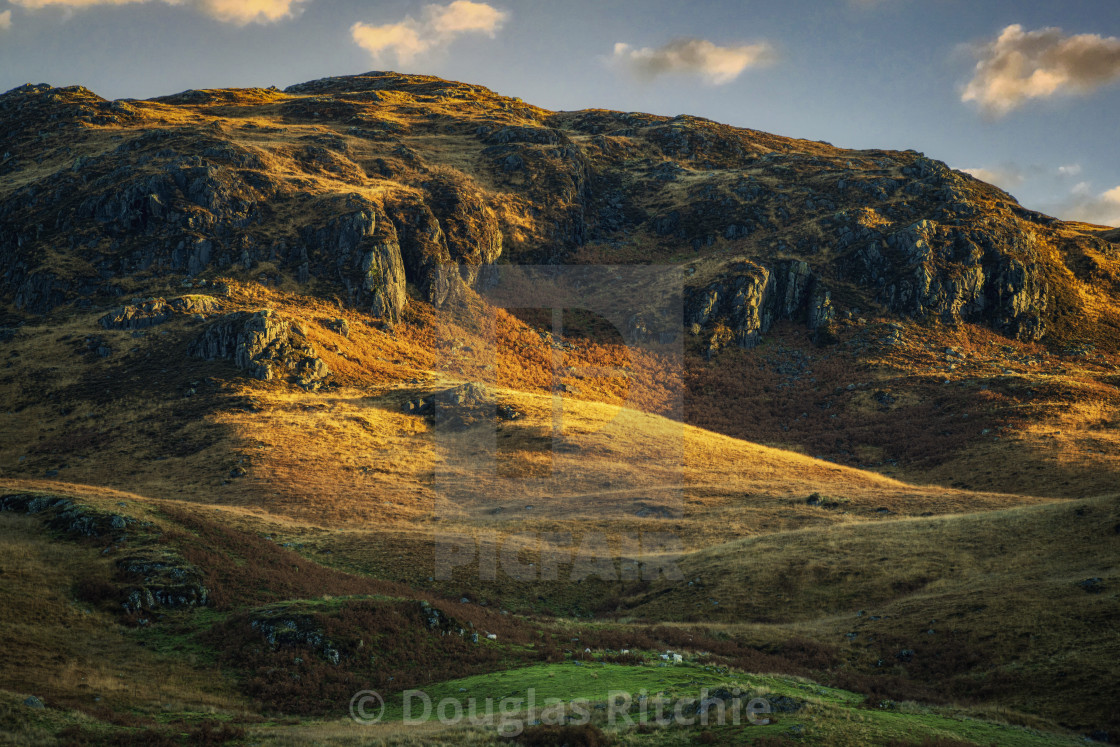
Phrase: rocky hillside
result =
(257, 226)
(369, 185)
(249, 378)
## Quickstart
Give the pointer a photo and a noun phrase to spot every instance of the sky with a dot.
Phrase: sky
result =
(1022, 93)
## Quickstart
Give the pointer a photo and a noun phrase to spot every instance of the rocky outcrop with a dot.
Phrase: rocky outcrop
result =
(447, 238)
(264, 346)
(745, 299)
(360, 248)
(150, 578)
(956, 274)
(471, 233)
(284, 627)
(157, 311)
(37, 292)
(63, 515)
(155, 580)
(416, 185)
(165, 212)
(461, 406)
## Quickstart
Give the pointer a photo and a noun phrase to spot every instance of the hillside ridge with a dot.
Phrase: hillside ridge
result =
(374, 183)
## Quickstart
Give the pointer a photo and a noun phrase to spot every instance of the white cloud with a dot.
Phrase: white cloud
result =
(5, 20)
(1021, 65)
(242, 12)
(1102, 209)
(1053, 187)
(441, 24)
(462, 16)
(701, 57)
(239, 12)
(400, 39)
(1011, 175)
(1005, 177)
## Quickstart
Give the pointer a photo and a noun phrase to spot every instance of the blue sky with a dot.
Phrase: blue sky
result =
(1026, 93)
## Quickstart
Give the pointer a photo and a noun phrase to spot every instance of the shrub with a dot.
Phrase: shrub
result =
(545, 735)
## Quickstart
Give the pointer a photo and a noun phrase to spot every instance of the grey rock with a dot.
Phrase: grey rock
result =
(748, 298)
(931, 269)
(338, 325)
(784, 704)
(361, 249)
(263, 345)
(282, 628)
(1092, 585)
(157, 311)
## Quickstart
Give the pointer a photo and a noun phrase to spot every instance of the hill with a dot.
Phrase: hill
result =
(307, 389)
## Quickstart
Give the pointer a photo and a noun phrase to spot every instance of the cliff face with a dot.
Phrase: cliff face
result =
(368, 186)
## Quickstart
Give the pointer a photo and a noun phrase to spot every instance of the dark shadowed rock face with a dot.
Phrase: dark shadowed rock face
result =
(187, 201)
(156, 580)
(932, 270)
(746, 298)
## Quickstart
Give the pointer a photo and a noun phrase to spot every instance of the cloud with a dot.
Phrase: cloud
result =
(1004, 177)
(462, 16)
(400, 39)
(1103, 208)
(440, 25)
(5, 20)
(690, 56)
(1077, 202)
(242, 12)
(238, 12)
(1021, 65)
(1009, 176)
(36, 4)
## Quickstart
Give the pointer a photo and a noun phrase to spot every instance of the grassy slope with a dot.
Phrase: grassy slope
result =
(827, 716)
(436, 123)
(988, 582)
(100, 680)
(350, 477)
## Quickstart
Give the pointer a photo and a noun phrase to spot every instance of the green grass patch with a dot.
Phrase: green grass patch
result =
(823, 715)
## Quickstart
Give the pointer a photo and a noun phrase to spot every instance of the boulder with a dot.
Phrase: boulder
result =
(461, 406)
